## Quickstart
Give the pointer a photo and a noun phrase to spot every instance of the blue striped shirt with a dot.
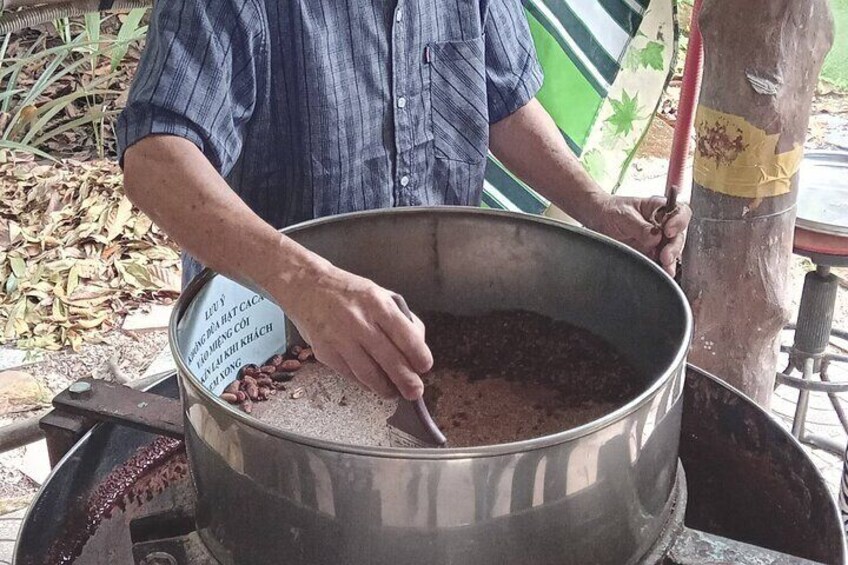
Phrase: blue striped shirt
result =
(316, 107)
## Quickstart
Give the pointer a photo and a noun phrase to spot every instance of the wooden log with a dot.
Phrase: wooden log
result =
(761, 64)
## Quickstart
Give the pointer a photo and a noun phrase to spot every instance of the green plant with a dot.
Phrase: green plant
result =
(131, 32)
(48, 91)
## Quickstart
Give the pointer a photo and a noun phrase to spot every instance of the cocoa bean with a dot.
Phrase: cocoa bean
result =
(247, 406)
(264, 392)
(252, 391)
(229, 397)
(242, 396)
(267, 369)
(305, 355)
(264, 380)
(290, 365)
(249, 369)
(248, 380)
(275, 360)
(295, 350)
(233, 387)
(282, 376)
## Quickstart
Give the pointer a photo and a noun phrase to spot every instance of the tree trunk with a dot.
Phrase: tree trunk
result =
(761, 65)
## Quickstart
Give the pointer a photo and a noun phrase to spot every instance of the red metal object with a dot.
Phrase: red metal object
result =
(807, 241)
(690, 90)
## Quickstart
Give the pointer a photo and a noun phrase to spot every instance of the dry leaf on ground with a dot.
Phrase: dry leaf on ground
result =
(74, 253)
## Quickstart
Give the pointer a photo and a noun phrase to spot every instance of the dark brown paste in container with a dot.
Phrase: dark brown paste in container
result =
(500, 377)
(510, 376)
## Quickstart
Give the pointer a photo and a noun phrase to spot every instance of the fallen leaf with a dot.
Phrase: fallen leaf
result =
(110, 250)
(14, 232)
(11, 284)
(92, 322)
(75, 340)
(118, 218)
(18, 266)
(74, 255)
(142, 226)
(28, 113)
(5, 240)
(73, 279)
(60, 314)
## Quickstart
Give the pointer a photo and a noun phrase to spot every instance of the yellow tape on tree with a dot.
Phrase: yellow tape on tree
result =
(734, 157)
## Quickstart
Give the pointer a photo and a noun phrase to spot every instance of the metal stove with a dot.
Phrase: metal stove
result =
(123, 494)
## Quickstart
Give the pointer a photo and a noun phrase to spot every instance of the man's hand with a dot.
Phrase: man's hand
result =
(357, 328)
(629, 220)
(353, 325)
(529, 143)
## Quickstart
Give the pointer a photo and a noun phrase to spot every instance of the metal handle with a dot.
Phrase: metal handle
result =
(111, 402)
(401, 303)
(420, 408)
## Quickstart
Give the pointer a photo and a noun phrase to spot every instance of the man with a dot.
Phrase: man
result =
(250, 115)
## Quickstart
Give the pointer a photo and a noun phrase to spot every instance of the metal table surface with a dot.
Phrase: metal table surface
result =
(823, 193)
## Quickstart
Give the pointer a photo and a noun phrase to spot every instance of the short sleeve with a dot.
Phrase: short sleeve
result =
(198, 77)
(513, 74)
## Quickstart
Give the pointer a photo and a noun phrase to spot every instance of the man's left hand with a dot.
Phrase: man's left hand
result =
(628, 219)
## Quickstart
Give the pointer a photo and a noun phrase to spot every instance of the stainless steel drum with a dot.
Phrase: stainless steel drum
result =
(596, 494)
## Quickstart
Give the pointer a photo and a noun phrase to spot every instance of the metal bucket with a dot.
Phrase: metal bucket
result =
(599, 493)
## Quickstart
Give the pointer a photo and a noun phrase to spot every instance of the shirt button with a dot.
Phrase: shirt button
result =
(398, 16)
(404, 180)
(401, 102)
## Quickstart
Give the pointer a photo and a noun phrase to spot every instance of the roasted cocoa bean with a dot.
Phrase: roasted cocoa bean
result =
(229, 397)
(282, 376)
(233, 387)
(242, 396)
(295, 350)
(249, 369)
(265, 381)
(305, 355)
(267, 369)
(251, 387)
(275, 360)
(247, 406)
(290, 365)
(264, 393)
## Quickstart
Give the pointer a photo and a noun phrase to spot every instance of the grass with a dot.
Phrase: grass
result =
(835, 69)
(64, 81)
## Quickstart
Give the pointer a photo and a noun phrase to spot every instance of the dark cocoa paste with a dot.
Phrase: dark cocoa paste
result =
(510, 376)
(500, 377)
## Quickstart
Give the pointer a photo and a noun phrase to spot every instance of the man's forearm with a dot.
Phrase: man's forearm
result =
(170, 179)
(529, 143)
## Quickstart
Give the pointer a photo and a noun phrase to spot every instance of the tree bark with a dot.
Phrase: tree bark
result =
(761, 64)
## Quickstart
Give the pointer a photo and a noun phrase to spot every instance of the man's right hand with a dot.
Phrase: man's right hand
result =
(353, 325)
(356, 327)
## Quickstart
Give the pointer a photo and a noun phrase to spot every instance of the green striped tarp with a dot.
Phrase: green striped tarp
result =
(592, 52)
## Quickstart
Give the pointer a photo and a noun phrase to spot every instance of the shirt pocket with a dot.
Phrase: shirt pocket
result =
(458, 105)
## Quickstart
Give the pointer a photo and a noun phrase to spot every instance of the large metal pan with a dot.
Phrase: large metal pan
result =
(594, 494)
